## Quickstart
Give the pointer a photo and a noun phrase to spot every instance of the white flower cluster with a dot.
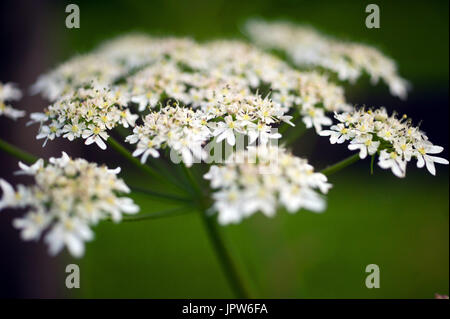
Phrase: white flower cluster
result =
(67, 198)
(179, 128)
(265, 178)
(223, 79)
(105, 65)
(307, 47)
(193, 74)
(186, 130)
(220, 83)
(8, 92)
(87, 112)
(218, 75)
(396, 140)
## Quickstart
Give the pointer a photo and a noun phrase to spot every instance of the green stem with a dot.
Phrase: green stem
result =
(220, 249)
(224, 256)
(190, 177)
(17, 152)
(295, 134)
(340, 165)
(137, 163)
(161, 214)
(372, 161)
(159, 195)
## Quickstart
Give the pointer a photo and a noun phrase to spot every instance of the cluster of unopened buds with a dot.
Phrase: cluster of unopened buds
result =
(179, 95)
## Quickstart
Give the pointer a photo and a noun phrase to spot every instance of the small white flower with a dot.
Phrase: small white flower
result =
(425, 148)
(32, 169)
(145, 100)
(37, 118)
(259, 198)
(229, 204)
(393, 161)
(9, 92)
(365, 145)
(127, 119)
(95, 134)
(62, 161)
(145, 148)
(32, 225)
(263, 133)
(70, 232)
(315, 117)
(337, 133)
(49, 132)
(10, 112)
(294, 198)
(9, 197)
(226, 131)
(73, 130)
(404, 147)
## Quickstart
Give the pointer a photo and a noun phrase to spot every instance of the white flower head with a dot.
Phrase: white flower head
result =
(394, 139)
(245, 185)
(67, 198)
(228, 88)
(306, 47)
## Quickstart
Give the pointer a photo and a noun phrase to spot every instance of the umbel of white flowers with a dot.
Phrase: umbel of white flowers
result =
(179, 94)
(221, 89)
(396, 141)
(265, 178)
(306, 47)
(67, 197)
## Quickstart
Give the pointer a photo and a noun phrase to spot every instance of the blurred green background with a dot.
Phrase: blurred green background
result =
(400, 225)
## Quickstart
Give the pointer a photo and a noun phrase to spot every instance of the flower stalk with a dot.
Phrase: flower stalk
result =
(17, 152)
(295, 134)
(160, 196)
(161, 214)
(133, 160)
(340, 165)
(224, 257)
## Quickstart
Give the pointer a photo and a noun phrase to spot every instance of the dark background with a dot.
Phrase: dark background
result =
(402, 225)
